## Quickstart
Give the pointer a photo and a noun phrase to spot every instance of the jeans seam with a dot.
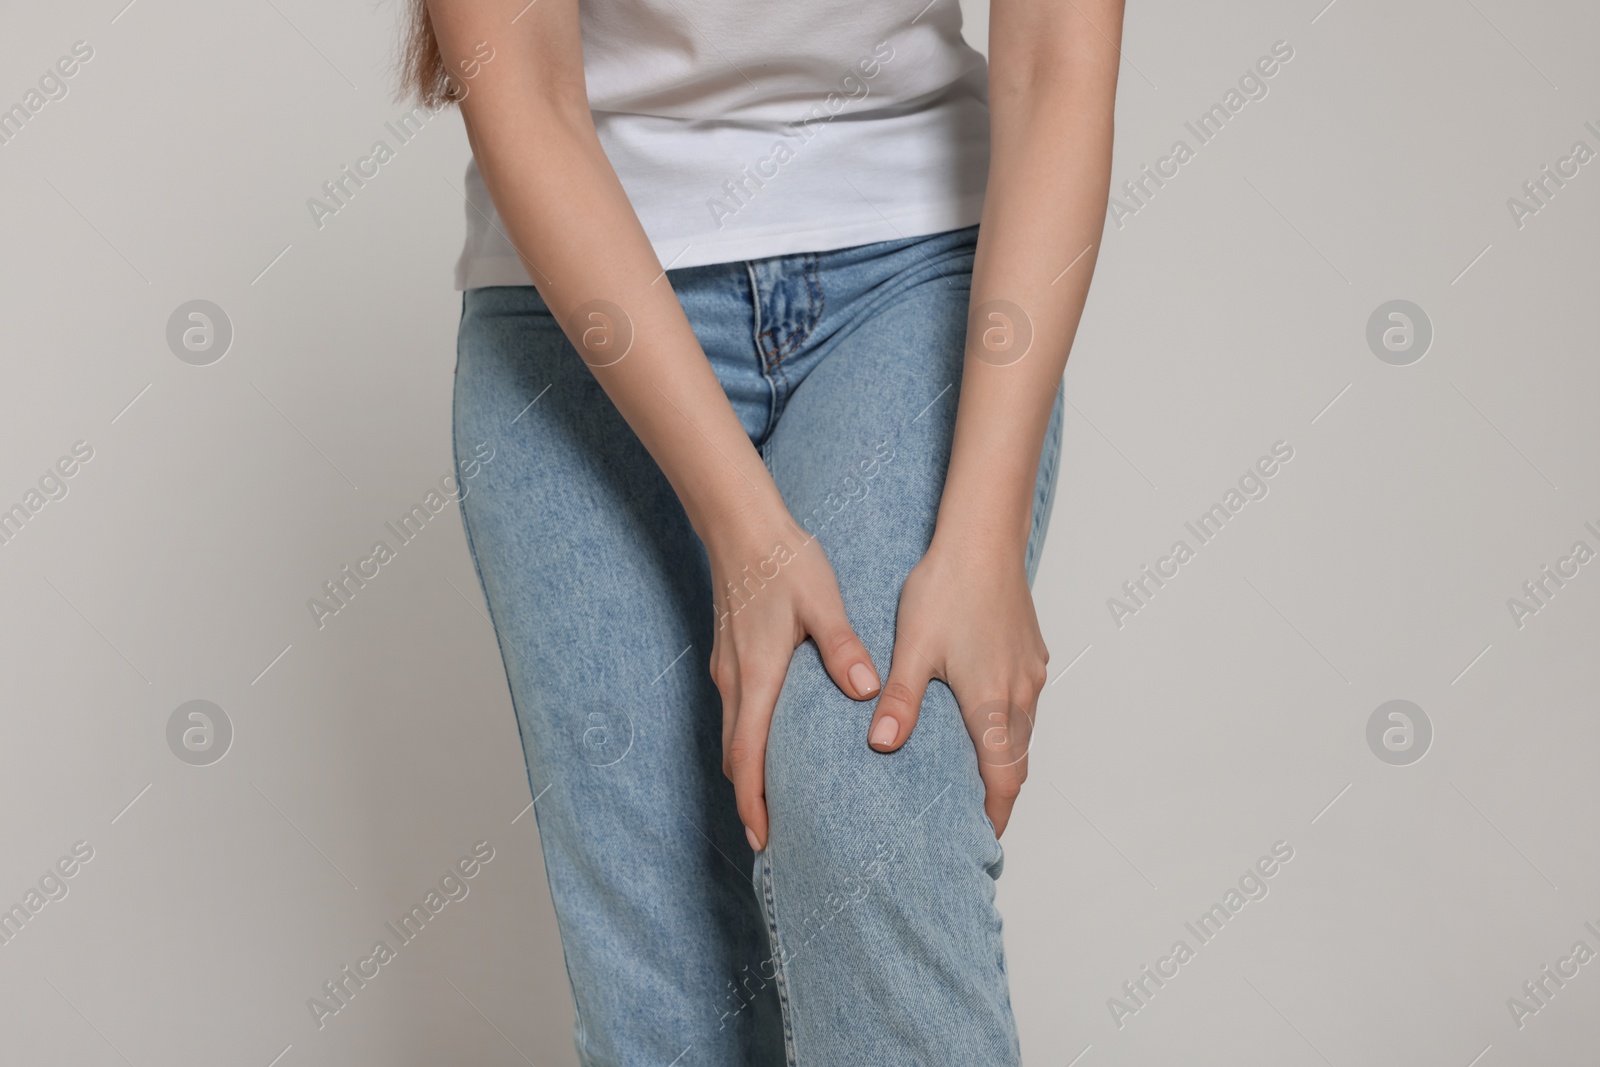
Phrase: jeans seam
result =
(816, 302)
(816, 299)
(580, 1034)
(780, 978)
(780, 391)
(756, 334)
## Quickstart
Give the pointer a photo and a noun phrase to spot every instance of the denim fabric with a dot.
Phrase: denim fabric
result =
(866, 932)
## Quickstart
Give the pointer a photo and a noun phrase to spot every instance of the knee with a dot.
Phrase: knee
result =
(841, 809)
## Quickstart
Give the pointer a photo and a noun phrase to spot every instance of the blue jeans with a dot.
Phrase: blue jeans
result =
(866, 932)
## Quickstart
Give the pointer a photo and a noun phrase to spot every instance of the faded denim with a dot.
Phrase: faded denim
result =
(866, 932)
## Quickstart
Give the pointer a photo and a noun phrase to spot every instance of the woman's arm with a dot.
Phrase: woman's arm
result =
(966, 613)
(527, 118)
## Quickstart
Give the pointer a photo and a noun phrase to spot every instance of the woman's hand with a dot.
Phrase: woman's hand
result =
(967, 618)
(773, 588)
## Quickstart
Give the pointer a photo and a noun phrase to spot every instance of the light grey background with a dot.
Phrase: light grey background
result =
(1229, 313)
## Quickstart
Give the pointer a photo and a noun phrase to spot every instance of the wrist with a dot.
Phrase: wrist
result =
(984, 519)
(986, 509)
(739, 522)
(983, 541)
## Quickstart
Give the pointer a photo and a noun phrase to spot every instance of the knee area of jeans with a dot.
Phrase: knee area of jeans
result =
(842, 815)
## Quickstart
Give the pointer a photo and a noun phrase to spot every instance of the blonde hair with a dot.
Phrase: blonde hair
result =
(423, 75)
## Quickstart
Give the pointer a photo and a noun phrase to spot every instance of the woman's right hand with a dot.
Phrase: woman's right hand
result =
(773, 588)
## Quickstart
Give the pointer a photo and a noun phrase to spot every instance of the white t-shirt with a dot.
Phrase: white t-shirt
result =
(741, 130)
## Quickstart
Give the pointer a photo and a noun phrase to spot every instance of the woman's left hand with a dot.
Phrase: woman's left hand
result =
(967, 618)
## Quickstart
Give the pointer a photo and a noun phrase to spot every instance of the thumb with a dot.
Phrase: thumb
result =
(901, 700)
(847, 660)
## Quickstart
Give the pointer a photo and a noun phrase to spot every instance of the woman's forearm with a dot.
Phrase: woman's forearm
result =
(1053, 72)
(566, 212)
(561, 202)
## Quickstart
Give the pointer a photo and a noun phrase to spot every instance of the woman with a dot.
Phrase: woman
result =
(716, 330)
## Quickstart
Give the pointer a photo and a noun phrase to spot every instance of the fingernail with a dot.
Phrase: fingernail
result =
(884, 731)
(864, 679)
(750, 835)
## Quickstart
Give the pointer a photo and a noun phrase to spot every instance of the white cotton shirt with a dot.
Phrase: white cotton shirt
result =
(743, 130)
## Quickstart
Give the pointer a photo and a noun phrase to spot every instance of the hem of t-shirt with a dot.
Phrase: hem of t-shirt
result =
(477, 272)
